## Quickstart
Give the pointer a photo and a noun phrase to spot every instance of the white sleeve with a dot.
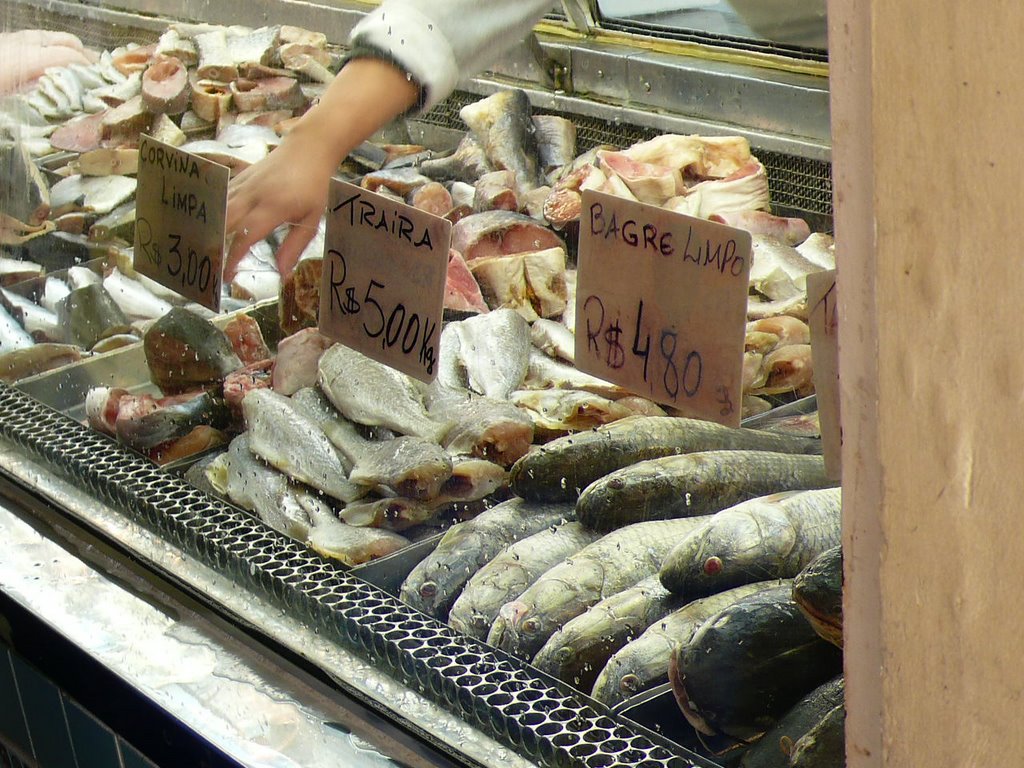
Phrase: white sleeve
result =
(439, 41)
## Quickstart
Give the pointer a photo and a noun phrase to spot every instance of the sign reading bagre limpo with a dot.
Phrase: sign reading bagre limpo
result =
(661, 305)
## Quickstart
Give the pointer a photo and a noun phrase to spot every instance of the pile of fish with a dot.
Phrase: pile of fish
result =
(622, 542)
(48, 320)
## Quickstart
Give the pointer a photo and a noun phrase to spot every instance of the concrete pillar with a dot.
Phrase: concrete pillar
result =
(927, 108)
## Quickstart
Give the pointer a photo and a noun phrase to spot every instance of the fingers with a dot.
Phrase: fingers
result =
(294, 244)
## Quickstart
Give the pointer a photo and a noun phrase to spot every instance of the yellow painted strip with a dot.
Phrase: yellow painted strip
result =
(692, 50)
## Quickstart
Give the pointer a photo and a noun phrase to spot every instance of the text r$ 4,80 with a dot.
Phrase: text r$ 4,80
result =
(669, 368)
(394, 328)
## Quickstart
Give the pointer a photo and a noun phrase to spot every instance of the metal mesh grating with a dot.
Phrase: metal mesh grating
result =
(546, 723)
(798, 185)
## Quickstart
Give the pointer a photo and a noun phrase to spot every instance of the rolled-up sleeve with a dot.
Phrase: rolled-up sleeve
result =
(439, 41)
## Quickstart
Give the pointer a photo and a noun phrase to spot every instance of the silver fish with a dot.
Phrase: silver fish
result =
(568, 410)
(254, 486)
(134, 299)
(509, 573)
(370, 393)
(351, 544)
(494, 349)
(284, 436)
(554, 339)
(544, 372)
(407, 465)
(482, 426)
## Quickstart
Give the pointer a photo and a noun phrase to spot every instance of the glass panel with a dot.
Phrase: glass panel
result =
(792, 23)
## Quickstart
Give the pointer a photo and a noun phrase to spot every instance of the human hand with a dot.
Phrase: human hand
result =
(26, 54)
(288, 186)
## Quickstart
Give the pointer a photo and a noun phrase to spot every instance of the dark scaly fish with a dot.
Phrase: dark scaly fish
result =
(773, 750)
(772, 537)
(561, 469)
(578, 651)
(818, 590)
(694, 484)
(824, 746)
(510, 572)
(185, 351)
(614, 562)
(435, 582)
(750, 664)
(89, 314)
(643, 663)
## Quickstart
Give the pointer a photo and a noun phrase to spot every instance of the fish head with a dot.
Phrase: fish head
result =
(736, 548)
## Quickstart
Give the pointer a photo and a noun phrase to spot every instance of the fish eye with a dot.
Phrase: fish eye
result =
(712, 565)
(564, 655)
(428, 589)
(630, 683)
(530, 626)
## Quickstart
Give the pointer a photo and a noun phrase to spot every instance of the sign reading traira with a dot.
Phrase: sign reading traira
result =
(179, 221)
(824, 324)
(382, 290)
(661, 304)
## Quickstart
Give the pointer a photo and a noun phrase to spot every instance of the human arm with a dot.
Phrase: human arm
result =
(405, 54)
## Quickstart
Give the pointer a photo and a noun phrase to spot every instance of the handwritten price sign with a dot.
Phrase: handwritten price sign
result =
(661, 305)
(824, 325)
(179, 221)
(382, 290)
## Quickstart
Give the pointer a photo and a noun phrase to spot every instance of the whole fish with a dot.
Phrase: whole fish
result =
(818, 590)
(770, 656)
(561, 469)
(694, 484)
(437, 580)
(350, 544)
(578, 651)
(370, 393)
(611, 564)
(774, 749)
(259, 488)
(501, 123)
(545, 372)
(285, 437)
(409, 466)
(494, 349)
(480, 426)
(511, 571)
(772, 537)
(825, 744)
(643, 662)
(568, 410)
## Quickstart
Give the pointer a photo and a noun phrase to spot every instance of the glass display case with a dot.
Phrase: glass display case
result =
(250, 643)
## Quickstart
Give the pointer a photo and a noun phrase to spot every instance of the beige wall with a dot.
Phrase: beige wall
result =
(927, 114)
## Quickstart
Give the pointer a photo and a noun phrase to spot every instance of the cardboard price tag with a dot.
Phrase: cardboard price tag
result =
(382, 289)
(824, 324)
(179, 221)
(661, 305)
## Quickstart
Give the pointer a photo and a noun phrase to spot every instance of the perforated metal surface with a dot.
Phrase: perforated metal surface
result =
(506, 699)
